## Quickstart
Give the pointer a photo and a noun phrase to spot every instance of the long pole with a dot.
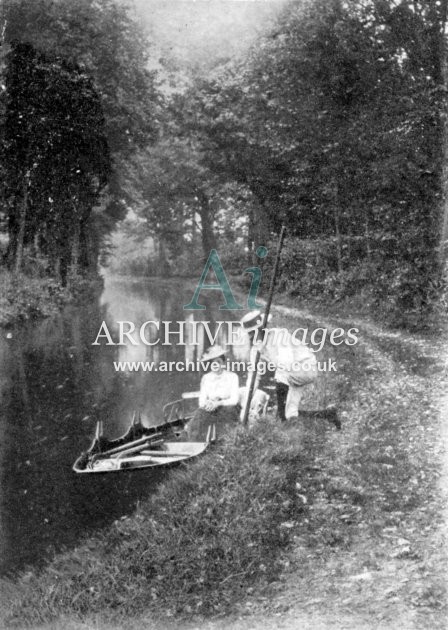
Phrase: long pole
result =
(253, 376)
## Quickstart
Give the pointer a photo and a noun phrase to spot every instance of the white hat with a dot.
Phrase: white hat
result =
(214, 352)
(253, 320)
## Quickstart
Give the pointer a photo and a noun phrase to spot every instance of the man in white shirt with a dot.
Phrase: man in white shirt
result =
(295, 366)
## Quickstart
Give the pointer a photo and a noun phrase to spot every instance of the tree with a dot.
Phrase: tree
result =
(105, 53)
(55, 155)
(335, 124)
(102, 37)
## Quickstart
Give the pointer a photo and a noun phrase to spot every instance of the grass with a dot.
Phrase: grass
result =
(211, 532)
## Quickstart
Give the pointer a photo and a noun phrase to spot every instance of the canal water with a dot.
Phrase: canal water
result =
(55, 385)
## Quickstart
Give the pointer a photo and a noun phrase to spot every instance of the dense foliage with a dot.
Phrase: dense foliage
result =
(56, 157)
(333, 125)
(77, 100)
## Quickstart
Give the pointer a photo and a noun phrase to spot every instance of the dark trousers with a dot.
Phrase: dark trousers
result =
(329, 413)
(222, 418)
(281, 391)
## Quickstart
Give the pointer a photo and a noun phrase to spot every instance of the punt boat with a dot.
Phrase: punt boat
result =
(143, 447)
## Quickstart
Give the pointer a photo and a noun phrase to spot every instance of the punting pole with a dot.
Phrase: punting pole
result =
(253, 376)
(99, 429)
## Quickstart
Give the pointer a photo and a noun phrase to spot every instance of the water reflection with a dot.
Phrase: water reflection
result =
(54, 386)
(149, 391)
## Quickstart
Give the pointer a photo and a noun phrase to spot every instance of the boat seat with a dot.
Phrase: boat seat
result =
(190, 395)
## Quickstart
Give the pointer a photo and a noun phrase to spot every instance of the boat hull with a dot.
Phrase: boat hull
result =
(166, 454)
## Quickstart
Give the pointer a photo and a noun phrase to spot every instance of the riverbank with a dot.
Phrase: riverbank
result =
(334, 529)
(23, 298)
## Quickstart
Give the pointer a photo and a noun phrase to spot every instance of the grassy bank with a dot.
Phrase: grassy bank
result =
(213, 531)
(23, 297)
(351, 516)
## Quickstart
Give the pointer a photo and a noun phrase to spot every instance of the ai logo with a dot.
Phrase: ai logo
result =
(213, 262)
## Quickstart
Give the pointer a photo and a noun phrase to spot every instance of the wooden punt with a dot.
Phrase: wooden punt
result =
(142, 447)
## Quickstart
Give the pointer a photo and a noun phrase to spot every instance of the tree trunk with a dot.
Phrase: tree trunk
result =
(75, 250)
(337, 229)
(22, 223)
(88, 247)
(250, 237)
(443, 245)
(163, 265)
(208, 236)
(57, 267)
(261, 232)
(35, 245)
(13, 229)
(367, 237)
(193, 225)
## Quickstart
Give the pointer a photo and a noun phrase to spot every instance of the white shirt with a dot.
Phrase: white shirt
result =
(278, 349)
(223, 387)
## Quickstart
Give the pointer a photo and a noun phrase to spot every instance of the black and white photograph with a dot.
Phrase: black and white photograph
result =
(223, 314)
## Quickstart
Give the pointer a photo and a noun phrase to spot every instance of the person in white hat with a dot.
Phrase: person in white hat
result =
(295, 365)
(218, 396)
